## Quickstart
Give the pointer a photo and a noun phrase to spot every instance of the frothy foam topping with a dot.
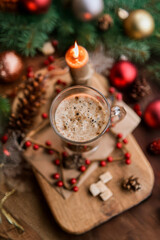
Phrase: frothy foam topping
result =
(80, 117)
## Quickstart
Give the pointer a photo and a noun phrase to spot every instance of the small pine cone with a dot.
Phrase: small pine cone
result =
(105, 22)
(29, 105)
(73, 161)
(154, 147)
(9, 5)
(131, 184)
(140, 88)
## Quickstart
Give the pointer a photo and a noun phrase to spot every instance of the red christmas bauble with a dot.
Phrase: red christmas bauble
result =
(152, 114)
(122, 74)
(36, 6)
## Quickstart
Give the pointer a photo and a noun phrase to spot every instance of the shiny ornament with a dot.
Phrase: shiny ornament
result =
(122, 74)
(11, 67)
(87, 10)
(152, 114)
(36, 6)
(139, 24)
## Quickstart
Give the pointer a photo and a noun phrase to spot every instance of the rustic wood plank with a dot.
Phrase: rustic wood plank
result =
(81, 212)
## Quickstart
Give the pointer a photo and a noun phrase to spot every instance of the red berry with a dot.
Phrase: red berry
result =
(35, 146)
(75, 189)
(58, 90)
(55, 43)
(73, 181)
(6, 152)
(85, 147)
(136, 107)
(46, 62)
(119, 145)
(57, 162)
(59, 81)
(4, 138)
(48, 143)
(44, 115)
(107, 130)
(60, 183)
(87, 161)
(29, 69)
(125, 141)
(103, 163)
(127, 155)
(51, 58)
(50, 151)
(111, 90)
(119, 135)
(64, 84)
(119, 96)
(139, 113)
(30, 74)
(64, 154)
(128, 161)
(56, 176)
(27, 144)
(82, 168)
(51, 67)
(110, 159)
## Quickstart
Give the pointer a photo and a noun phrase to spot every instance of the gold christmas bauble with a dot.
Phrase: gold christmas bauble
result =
(139, 24)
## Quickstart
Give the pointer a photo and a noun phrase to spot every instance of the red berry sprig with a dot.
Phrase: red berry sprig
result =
(27, 144)
(73, 181)
(109, 159)
(60, 183)
(44, 115)
(4, 138)
(35, 146)
(82, 168)
(103, 163)
(87, 162)
(75, 189)
(56, 175)
(50, 151)
(48, 143)
(57, 162)
(117, 95)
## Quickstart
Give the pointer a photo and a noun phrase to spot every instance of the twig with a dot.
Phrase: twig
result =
(40, 127)
(7, 215)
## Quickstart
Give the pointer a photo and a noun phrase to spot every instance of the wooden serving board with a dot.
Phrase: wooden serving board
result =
(82, 212)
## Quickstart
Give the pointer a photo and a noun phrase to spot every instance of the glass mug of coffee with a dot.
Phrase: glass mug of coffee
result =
(80, 115)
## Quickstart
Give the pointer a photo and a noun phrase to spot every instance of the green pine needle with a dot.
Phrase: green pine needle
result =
(26, 33)
(4, 106)
(4, 113)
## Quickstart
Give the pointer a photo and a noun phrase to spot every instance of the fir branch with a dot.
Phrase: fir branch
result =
(154, 70)
(26, 33)
(4, 106)
(4, 113)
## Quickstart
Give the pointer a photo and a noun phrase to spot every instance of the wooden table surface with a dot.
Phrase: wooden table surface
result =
(139, 223)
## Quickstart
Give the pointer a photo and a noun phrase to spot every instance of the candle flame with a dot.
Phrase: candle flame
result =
(75, 50)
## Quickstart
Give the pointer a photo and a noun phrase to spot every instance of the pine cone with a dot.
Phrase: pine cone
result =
(73, 161)
(140, 88)
(154, 147)
(29, 105)
(11, 5)
(105, 22)
(131, 184)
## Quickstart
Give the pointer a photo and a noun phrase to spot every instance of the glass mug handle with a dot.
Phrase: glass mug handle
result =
(117, 114)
